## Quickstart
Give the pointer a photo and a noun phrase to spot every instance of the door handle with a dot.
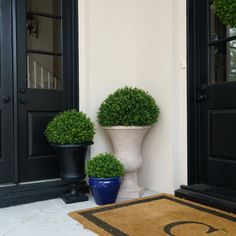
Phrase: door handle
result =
(6, 99)
(22, 101)
(22, 90)
(201, 97)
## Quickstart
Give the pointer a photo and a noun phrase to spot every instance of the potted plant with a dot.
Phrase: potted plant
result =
(225, 9)
(127, 115)
(70, 133)
(104, 172)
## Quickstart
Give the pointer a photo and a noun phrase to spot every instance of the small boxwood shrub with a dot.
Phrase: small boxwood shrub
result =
(226, 10)
(70, 127)
(128, 107)
(104, 165)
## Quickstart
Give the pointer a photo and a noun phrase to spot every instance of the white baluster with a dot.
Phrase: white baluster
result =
(28, 71)
(49, 81)
(35, 74)
(42, 82)
(55, 83)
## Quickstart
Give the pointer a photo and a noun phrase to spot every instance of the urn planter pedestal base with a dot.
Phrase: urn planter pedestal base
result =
(126, 142)
(74, 195)
(130, 188)
(72, 167)
(79, 197)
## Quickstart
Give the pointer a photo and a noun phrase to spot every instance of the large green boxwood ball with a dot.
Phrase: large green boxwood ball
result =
(226, 10)
(70, 127)
(128, 107)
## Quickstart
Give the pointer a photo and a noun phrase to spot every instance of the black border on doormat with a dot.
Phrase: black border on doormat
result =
(89, 215)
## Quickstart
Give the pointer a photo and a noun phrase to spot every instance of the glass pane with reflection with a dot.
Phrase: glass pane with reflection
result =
(43, 33)
(223, 62)
(44, 71)
(217, 29)
(52, 7)
(1, 44)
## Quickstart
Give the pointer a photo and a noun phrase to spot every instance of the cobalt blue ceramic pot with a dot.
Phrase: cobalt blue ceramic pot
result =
(104, 190)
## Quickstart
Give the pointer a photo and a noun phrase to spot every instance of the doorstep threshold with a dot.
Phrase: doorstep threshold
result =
(209, 195)
(214, 191)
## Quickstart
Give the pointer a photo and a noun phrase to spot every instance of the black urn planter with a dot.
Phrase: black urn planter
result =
(72, 169)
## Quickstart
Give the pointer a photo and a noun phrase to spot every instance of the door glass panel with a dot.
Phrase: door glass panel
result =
(44, 37)
(52, 7)
(217, 29)
(44, 71)
(223, 62)
(1, 27)
(43, 33)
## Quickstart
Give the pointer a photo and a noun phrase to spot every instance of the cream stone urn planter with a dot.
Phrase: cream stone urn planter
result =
(127, 142)
(126, 115)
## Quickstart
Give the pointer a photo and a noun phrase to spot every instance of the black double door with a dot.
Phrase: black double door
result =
(37, 80)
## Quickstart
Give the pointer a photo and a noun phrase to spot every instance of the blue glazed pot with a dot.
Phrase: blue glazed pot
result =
(104, 190)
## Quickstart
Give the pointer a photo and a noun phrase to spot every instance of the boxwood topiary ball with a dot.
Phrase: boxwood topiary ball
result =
(128, 107)
(70, 127)
(104, 165)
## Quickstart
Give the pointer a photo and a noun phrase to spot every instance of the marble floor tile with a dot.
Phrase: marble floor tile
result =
(45, 218)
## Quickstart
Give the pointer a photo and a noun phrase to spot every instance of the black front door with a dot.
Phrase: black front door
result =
(211, 107)
(38, 74)
(217, 101)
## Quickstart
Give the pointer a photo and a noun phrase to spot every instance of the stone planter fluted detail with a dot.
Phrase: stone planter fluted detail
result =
(126, 142)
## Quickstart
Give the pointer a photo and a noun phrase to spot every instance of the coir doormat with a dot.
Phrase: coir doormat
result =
(156, 216)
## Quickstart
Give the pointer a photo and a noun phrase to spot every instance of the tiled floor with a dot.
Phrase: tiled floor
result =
(45, 218)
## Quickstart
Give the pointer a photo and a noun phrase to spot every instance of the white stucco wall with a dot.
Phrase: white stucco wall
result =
(139, 43)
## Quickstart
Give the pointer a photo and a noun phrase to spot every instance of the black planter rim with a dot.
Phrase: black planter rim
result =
(85, 144)
(105, 179)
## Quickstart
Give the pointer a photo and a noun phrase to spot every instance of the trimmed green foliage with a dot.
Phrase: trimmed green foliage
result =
(104, 165)
(226, 10)
(70, 127)
(128, 107)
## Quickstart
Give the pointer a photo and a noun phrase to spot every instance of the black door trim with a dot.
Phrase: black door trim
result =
(75, 54)
(196, 77)
(193, 82)
(6, 104)
(15, 87)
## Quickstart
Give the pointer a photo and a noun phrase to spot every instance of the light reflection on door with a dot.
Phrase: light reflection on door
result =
(222, 55)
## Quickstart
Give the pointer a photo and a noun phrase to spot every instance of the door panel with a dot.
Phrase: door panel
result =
(37, 144)
(217, 106)
(44, 85)
(38, 78)
(221, 164)
(222, 134)
(6, 109)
